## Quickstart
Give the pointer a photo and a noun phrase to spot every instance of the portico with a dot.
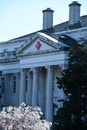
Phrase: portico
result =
(40, 90)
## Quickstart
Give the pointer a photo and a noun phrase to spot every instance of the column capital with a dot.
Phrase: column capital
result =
(22, 71)
(34, 68)
(48, 67)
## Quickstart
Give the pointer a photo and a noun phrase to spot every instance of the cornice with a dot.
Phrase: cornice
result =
(42, 52)
(8, 60)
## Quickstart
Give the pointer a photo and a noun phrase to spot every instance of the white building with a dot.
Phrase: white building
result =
(31, 63)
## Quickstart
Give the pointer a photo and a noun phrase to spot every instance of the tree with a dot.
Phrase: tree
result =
(73, 113)
(22, 118)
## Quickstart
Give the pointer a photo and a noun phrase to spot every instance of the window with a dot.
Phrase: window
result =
(3, 84)
(26, 83)
(14, 84)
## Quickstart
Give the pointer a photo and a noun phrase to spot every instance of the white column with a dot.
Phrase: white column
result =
(49, 95)
(7, 90)
(17, 88)
(29, 89)
(35, 87)
(11, 87)
(22, 86)
(41, 89)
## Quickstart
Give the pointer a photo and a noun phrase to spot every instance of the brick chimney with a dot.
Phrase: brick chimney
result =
(74, 13)
(47, 18)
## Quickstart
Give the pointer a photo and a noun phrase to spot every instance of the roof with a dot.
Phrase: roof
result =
(48, 37)
(65, 26)
(57, 28)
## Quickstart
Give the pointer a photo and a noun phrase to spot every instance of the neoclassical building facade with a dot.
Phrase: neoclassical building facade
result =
(31, 63)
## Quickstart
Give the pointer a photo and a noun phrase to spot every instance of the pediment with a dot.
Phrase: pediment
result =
(39, 43)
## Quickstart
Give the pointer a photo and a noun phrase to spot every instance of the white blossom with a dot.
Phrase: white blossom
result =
(22, 118)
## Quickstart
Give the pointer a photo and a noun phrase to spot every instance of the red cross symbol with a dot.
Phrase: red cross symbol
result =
(38, 45)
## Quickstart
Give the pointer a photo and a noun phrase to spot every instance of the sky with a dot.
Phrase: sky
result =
(21, 17)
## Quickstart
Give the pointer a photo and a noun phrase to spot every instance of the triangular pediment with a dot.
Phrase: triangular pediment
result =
(41, 42)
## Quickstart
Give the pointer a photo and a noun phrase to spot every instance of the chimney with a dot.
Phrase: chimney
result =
(47, 18)
(74, 13)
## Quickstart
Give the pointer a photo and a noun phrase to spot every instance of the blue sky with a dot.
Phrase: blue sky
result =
(21, 17)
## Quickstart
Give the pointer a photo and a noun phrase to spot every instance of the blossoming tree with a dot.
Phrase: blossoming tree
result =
(22, 118)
